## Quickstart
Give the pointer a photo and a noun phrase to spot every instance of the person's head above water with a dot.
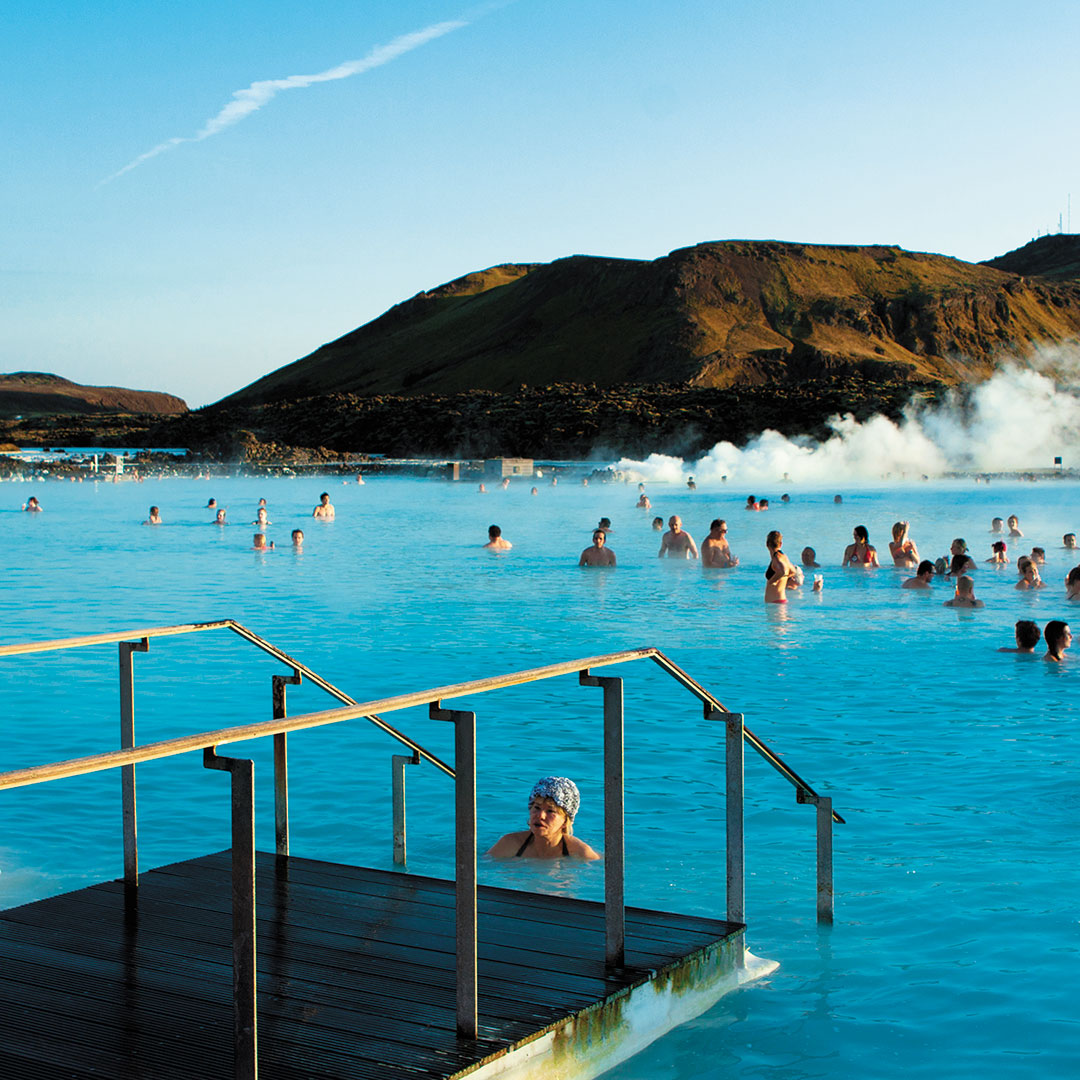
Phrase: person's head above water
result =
(657, 524)
(900, 531)
(560, 790)
(1027, 635)
(1069, 540)
(775, 540)
(861, 534)
(674, 523)
(1058, 638)
(494, 532)
(297, 537)
(925, 570)
(809, 557)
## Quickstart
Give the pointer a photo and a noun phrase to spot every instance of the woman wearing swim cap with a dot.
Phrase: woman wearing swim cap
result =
(553, 805)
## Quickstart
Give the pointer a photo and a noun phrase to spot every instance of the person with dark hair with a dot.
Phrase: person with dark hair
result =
(860, 553)
(597, 554)
(1027, 637)
(1072, 584)
(1000, 553)
(780, 573)
(496, 540)
(553, 804)
(154, 518)
(1058, 638)
(715, 550)
(1038, 556)
(923, 576)
(325, 509)
(658, 524)
(1068, 541)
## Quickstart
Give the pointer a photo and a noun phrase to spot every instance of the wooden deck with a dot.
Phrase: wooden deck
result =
(356, 973)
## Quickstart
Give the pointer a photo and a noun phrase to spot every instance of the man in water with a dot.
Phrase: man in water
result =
(298, 538)
(1027, 637)
(154, 517)
(260, 544)
(658, 524)
(325, 509)
(675, 543)
(496, 540)
(605, 524)
(923, 576)
(597, 554)
(715, 550)
(809, 558)
(32, 506)
(965, 594)
(219, 518)
(1068, 541)
(212, 504)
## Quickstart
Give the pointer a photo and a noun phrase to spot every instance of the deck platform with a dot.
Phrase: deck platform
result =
(356, 976)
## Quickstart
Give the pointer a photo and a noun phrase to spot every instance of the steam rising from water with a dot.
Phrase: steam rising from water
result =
(1021, 418)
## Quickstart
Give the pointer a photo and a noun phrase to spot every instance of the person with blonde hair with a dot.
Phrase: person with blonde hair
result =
(553, 804)
(902, 548)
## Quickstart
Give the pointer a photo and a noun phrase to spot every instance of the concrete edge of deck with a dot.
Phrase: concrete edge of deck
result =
(597, 1038)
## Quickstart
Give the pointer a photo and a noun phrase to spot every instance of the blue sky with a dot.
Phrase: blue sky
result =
(537, 129)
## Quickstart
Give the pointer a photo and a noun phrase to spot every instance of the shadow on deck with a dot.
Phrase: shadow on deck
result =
(356, 977)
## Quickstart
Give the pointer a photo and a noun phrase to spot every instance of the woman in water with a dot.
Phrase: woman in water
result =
(553, 805)
(1014, 527)
(860, 553)
(962, 562)
(1058, 639)
(902, 548)
(1000, 553)
(780, 573)
(1030, 578)
(1072, 584)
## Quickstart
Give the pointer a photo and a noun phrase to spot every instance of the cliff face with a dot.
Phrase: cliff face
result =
(35, 393)
(725, 314)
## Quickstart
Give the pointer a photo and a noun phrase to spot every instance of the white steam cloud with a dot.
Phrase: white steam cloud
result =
(254, 97)
(1021, 418)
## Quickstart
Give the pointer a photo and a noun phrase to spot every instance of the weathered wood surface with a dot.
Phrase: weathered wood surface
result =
(356, 973)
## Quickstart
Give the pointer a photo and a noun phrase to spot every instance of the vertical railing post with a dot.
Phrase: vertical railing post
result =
(465, 861)
(245, 1021)
(823, 806)
(127, 772)
(281, 764)
(397, 768)
(614, 818)
(733, 798)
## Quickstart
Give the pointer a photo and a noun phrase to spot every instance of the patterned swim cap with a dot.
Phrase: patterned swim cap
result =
(561, 790)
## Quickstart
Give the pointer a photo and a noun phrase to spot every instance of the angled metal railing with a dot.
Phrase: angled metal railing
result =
(464, 774)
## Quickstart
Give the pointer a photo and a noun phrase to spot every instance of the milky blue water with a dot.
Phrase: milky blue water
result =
(955, 945)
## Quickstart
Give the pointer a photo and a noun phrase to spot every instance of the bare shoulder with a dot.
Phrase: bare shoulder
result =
(506, 847)
(578, 849)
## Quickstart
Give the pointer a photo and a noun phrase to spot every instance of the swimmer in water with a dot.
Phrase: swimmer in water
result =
(481, 490)
(675, 543)
(658, 524)
(780, 573)
(715, 550)
(1030, 578)
(1072, 584)
(1014, 527)
(496, 540)
(1027, 636)
(860, 553)
(1058, 638)
(219, 518)
(643, 502)
(923, 576)
(605, 524)
(809, 558)
(260, 518)
(1000, 553)
(212, 504)
(997, 526)
(751, 503)
(298, 538)
(553, 804)
(837, 499)
(902, 548)
(154, 517)
(1038, 556)
(32, 506)
(962, 562)
(965, 594)
(325, 510)
(763, 504)
(506, 482)
(359, 478)
(691, 485)
(1068, 541)
(260, 544)
(535, 491)
(597, 554)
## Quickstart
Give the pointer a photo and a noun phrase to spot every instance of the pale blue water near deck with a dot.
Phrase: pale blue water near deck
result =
(955, 945)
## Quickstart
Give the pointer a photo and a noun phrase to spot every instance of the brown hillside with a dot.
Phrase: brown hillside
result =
(35, 393)
(732, 313)
(1056, 257)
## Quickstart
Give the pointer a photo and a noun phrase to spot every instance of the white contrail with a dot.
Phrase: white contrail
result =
(245, 102)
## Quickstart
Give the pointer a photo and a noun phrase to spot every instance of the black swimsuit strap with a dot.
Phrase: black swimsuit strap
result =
(529, 839)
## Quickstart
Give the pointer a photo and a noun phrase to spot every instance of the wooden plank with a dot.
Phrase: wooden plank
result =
(356, 973)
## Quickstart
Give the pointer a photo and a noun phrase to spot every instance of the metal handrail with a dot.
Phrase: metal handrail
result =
(248, 635)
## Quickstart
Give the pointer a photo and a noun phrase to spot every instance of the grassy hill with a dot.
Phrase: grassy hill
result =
(1055, 257)
(718, 315)
(36, 393)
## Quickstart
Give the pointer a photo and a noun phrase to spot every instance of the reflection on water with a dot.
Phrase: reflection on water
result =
(950, 761)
